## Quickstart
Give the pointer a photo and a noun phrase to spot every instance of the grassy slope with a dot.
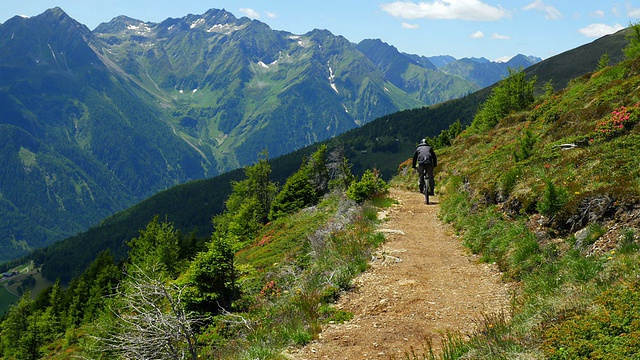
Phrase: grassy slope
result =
(574, 267)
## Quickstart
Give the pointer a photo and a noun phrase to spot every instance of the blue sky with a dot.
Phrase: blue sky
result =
(461, 28)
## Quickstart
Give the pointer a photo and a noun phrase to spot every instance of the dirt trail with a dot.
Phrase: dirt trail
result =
(421, 283)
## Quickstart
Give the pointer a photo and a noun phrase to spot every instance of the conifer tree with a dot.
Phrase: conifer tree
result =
(304, 187)
(210, 280)
(15, 337)
(514, 93)
(158, 243)
(248, 205)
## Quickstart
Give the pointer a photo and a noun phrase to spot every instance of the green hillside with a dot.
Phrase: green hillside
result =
(551, 194)
(381, 144)
(76, 144)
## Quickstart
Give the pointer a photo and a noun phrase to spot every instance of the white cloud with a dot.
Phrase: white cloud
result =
(410, 26)
(503, 59)
(477, 35)
(271, 15)
(445, 9)
(250, 13)
(551, 13)
(598, 30)
(615, 11)
(633, 12)
(598, 13)
(500, 37)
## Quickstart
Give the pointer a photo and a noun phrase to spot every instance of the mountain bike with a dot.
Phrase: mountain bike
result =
(427, 184)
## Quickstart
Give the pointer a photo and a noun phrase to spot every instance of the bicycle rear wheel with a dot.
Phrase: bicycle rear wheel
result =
(427, 189)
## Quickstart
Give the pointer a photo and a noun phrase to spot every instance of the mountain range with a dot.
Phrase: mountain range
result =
(381, 144)
(94, 121)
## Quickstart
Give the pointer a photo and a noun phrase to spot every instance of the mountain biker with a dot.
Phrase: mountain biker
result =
(426, 160)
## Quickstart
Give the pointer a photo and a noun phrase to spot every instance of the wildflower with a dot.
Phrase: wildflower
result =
(616, 122)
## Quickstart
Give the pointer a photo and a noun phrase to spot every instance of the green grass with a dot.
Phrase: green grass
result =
(6, 296)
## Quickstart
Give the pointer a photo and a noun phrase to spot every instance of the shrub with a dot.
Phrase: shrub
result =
(608, 331)
(553, 199)
(620, 119)
(297, 193)
(305, 187)
(370, 186)
(525, 146)
(509, 179)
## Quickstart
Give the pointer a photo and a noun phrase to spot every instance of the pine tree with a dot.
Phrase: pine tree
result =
(514, 93)
(248, 205)
(15, 327)
(158, 243)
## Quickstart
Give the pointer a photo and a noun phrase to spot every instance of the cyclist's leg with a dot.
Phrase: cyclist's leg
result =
(421, 170)
(432, 181)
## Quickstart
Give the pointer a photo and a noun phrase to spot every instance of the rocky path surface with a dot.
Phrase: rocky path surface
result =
(421, 284)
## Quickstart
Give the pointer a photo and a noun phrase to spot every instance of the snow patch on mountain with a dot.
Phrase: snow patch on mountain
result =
(225, 28)
(298, 38)
(197, 23)
(331, 80)
(140, 29)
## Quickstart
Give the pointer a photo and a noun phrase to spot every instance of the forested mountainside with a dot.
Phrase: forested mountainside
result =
(77, 142)
(546, 187)
(95, 121)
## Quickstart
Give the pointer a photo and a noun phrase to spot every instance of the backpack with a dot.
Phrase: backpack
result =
(424, 156)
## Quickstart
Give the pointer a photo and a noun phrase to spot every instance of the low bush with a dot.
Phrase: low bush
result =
(553, 199)
(369, 187)
(609, 330)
